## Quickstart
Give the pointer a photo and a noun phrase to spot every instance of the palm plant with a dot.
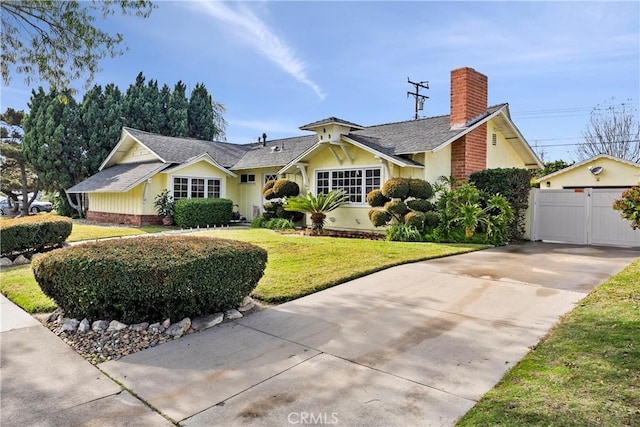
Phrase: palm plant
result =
(317, 206)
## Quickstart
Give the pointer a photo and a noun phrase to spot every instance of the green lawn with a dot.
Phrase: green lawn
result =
(85, 231)
(301, 265)
(298, 265)
(586, 372)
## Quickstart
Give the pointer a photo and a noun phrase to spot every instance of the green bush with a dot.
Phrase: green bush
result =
(258, 222)
(396, 188)
(203, 212)
(431, 219)
(151, 278)
(415, 219)
(396, 207)
(378, 217)
(278, 224)
(515, 185)
(403, 233)
(629, 206)
(376, 199)
(33, 233)
(420, 205)
(420, 189)
(285, 188)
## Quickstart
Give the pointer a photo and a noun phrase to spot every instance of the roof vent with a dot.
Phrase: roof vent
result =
(275, 148)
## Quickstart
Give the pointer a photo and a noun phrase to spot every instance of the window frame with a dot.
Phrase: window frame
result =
(247, 178)
(191, 190)
(329, 178)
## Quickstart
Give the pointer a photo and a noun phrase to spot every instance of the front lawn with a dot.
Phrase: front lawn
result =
(301, 265)
(586, 372)
(298, 265)
(85, 231)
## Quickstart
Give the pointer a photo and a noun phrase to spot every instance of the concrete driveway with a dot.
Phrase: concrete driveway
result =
(417, 344)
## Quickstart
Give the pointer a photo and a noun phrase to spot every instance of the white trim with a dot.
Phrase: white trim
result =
(189, 187)
(113, 152)
(362, 168)
(202, 157)
(380, 154)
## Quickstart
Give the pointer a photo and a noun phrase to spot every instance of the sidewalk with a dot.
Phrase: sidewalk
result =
(45, 382)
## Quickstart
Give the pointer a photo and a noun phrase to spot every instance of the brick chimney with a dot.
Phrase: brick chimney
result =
(469, 94)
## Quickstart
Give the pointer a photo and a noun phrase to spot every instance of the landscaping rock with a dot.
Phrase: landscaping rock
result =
(247, 304)
(5, 262)
(56, 315)
(178, 329)
(166, 323)
(114, 325)
(69, 325)
(84, 326)
(36, 255)
(99, 325)
(206, 322)
(21, 260)
(157, 328)
(233, 314)
(140, 326)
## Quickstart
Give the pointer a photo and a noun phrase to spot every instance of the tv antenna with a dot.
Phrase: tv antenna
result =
(418, 97)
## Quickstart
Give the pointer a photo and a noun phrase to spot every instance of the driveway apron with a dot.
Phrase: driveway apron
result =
(416, 344)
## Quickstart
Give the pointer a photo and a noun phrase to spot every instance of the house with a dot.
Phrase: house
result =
(337, 154)
(601, 171)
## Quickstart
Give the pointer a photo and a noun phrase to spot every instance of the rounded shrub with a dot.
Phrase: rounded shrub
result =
(396, 207)
(396, 188)
(420, 189)
(376, 199)
(202, 212)
(285, 188)
(431, 219)
(378, 218)
(33, 233)
(415, 219)
(150, 279)
(420, 205)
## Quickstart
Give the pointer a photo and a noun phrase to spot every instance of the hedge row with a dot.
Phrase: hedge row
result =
(150, 279)
(202, 212)
(33, 233)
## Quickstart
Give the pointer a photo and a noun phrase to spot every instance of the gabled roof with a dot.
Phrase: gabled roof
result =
(275, 153)
(584, 162)
(202, 157)
(331, 121)
(119, 178)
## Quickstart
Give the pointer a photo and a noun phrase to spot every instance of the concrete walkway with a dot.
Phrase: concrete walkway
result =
(417, 344)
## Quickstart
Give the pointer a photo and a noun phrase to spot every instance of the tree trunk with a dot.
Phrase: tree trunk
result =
(76, 205)
(317, 223)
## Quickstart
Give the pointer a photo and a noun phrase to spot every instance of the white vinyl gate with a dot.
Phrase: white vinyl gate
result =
(581, 216)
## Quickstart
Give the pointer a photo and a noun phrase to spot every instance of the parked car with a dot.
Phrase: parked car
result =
(37, 206)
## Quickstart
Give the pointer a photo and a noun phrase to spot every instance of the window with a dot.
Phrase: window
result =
(195, 188)
(270, 177)
(247, 178)
(494, 139)
(356, 183)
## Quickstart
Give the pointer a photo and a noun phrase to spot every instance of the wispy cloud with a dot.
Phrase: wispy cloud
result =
(260, 37)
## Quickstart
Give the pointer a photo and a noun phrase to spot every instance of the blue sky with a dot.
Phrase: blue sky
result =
(276, 66)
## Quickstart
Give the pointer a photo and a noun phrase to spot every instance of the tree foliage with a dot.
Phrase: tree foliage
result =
(612, 130)
(58, 41)
(17, 176)
(204, 116)
(629, 206)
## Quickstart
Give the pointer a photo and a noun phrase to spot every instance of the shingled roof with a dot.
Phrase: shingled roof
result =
(118, 178)
(275, 153)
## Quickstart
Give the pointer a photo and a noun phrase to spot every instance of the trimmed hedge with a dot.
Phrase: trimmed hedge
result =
(150, 278)
(376, 199)
(33, 233)
(202, 212)
(420, 205)
(396, 188)
(379, 218)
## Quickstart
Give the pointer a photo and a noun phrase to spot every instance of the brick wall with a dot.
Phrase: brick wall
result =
(469, 99)
(125, 219)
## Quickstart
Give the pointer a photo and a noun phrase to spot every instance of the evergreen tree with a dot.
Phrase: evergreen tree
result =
(53, 144)
(177, 111)
(162, 121)
(99, 125)
(17, 176)
(134, 104)
(152, 113)
(204, 116)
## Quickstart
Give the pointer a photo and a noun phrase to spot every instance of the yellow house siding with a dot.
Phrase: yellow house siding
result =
(437, 164)
(501, 155)
(202, 169)
(130, 202)
(248, 195)
(615, 174)
(138, 153)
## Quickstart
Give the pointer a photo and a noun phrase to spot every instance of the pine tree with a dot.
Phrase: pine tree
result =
(177, 111)
(53, 144)
(134, 104)
(204, 115)
(162, 121)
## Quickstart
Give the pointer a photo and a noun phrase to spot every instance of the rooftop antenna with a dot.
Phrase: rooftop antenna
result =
(418, 97)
